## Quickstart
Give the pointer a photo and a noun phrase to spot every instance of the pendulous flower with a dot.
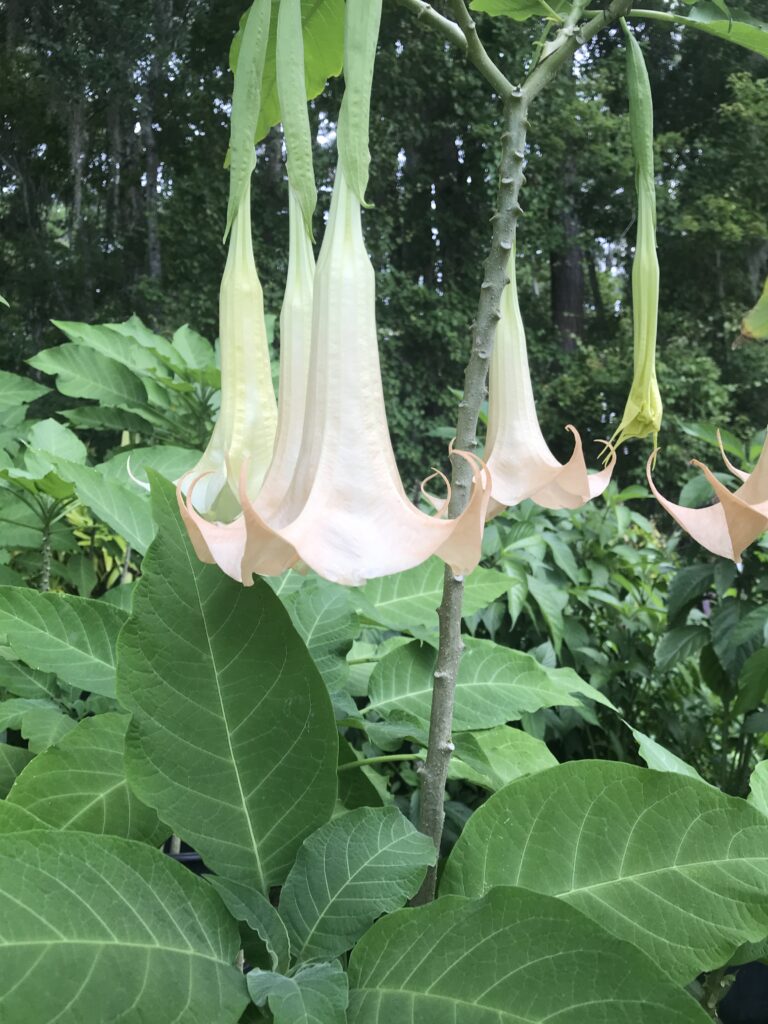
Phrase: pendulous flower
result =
(643, 411)
(343, 512)
(244, 435)
(736, 519)
(518, 458)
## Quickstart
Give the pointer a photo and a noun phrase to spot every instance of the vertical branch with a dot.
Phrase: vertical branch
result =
(46, 554)
(504, 219)
(511, 178)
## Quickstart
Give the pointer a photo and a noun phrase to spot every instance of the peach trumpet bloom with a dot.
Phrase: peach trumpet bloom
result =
(736, 519)
(333, 500)
(517, 455)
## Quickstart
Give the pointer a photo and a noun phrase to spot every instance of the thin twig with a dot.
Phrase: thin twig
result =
(382, 759)
(477, 53)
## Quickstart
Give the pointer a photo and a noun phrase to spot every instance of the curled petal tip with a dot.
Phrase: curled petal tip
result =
(133, 477)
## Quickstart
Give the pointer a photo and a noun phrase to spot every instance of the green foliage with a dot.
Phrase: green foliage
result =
(251, 790)
(508, 952)
(141, 918)
(277, 729)
(679, 876)
(80, 784)
(348, 873)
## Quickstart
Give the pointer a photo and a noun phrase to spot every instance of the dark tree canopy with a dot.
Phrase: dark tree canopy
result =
(113, 196)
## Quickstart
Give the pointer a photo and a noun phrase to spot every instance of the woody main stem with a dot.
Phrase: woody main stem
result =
(515, 125)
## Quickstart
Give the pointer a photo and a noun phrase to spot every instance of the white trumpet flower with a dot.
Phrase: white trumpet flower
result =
(243, 438)
(344, 512)
(517, 455)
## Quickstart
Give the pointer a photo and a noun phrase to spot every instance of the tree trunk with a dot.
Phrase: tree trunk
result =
(151, 166)
(567, 275)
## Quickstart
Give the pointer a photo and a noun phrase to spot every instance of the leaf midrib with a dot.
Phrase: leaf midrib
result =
(228, 731)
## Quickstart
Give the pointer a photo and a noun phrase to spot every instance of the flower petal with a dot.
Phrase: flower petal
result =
(519, 460)
(729, 526)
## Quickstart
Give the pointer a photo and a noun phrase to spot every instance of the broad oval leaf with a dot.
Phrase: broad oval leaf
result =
(495, 685)
(409, 599)
(324, 617)
(94, 928)
(16, 390)
(83, 373)
(119, 505)
(233, 740)
(315, 994)
(758, 788)
(512, 957)
(249, 905)
(81, 785)
(740, 29)
(493, 757)
(71, 636)
(660, 859)
(366, 863)
(12, 760)
(16, 819)
(679, 644)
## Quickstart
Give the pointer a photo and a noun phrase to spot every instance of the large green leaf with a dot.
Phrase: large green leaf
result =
(706, 17)
(366, 863)
(80, 784)
(121, 506)
(12, 760)
(233, 741)
(16, 819)
(71, 636)
(16, 390)
(758, 788)
(493, 757)
(410, 599)
(23, 681)
(83, 373)
(114, 344)
(44, 727)
(512, 957)
(688, 585)
(519, 10)
(315, 994)
(324, 617)
(659, 758)
(660, 859)
(94, 928)
(495, 685)
(249, 905)
(679, 644)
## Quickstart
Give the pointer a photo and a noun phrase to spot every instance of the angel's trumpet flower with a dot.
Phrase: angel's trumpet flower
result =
(518, 458)
(642, 413)
(344, 513)
(244, 435)
(736, 519)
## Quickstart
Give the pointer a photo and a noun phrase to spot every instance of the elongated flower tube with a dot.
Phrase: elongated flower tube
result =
(736, 519)
(643, 411)
(244, 436)
(518, 458)
(345, 513)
